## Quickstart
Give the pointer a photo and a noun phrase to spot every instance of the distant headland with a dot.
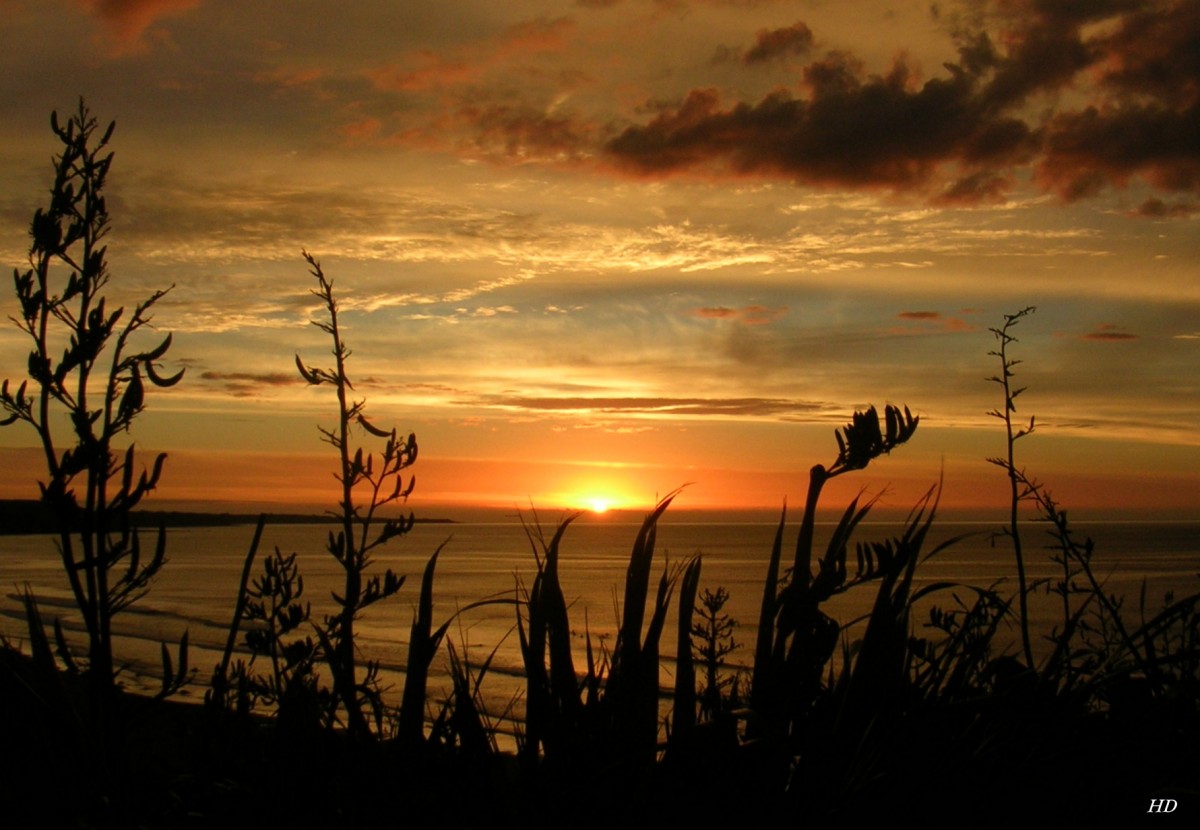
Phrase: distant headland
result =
(21, 516)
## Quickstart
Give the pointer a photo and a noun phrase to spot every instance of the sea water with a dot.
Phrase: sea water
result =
(493, 563)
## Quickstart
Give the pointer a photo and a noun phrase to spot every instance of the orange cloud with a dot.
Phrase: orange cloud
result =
(364, 130)
(128, 20)
(1109, 333)
(431, 72)
(770, 44)
(926, 322)
(427, 69)
(751, 315)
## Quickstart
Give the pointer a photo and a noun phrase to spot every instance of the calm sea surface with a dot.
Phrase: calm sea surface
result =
(196, 588)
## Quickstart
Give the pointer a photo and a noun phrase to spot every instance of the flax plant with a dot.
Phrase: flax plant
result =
(796, 639)
(1096, 649)
(87, 361)
(608, 717)
(367, 485)
(1013, 433)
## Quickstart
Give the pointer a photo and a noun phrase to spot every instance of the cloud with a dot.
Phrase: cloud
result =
(717, 313)
(366, 129)
(129, 20)
(663, 407)
(1158, 209)
(427, 69)
(853, 131)
(421, 71)
(1108, 333)
(522, 131)
(931, 322)
(288, 77)
(968, 134)
(249, 384)
(1153, 52)
(1086, 151)
(752, 315)
(774, 44)
(488, 311)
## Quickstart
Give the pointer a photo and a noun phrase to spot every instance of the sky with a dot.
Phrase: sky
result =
(591, 251)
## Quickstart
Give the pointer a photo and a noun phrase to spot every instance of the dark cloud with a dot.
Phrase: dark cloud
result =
(773, 44)
(980, 187)
(248, 384)
(919, 315)
(1158, 209)
(852, 131)
(1085, 151)
(967, 134)
(1156, 51)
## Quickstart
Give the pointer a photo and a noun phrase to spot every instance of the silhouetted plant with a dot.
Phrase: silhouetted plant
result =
(361, 529)
(1013, 433)
(955, 661)
(1098, 650)
(796, 639)
(683, 718)
(1095, 650)
(711, 642)
(86, 363)
(631, 689)
(273, 614)
(608, 718)
(553, 710)
(219, 690)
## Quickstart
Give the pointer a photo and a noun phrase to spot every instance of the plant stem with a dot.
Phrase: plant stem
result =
(1012, 435)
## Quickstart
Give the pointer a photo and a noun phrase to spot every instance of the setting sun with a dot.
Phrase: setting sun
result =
(598, 504)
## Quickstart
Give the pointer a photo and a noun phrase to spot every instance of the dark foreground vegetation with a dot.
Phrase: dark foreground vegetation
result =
(921, 710)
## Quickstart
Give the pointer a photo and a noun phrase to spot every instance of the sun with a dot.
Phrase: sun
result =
(598, 504)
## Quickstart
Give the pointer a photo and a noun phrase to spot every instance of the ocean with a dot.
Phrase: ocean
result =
(195, 591)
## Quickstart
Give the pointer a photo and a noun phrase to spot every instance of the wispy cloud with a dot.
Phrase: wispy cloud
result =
(1109, 333)
(753, 315)
(931, 322)
(248, 384)
(660, 407)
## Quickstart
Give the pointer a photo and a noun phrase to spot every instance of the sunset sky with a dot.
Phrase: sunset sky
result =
(598, 249)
